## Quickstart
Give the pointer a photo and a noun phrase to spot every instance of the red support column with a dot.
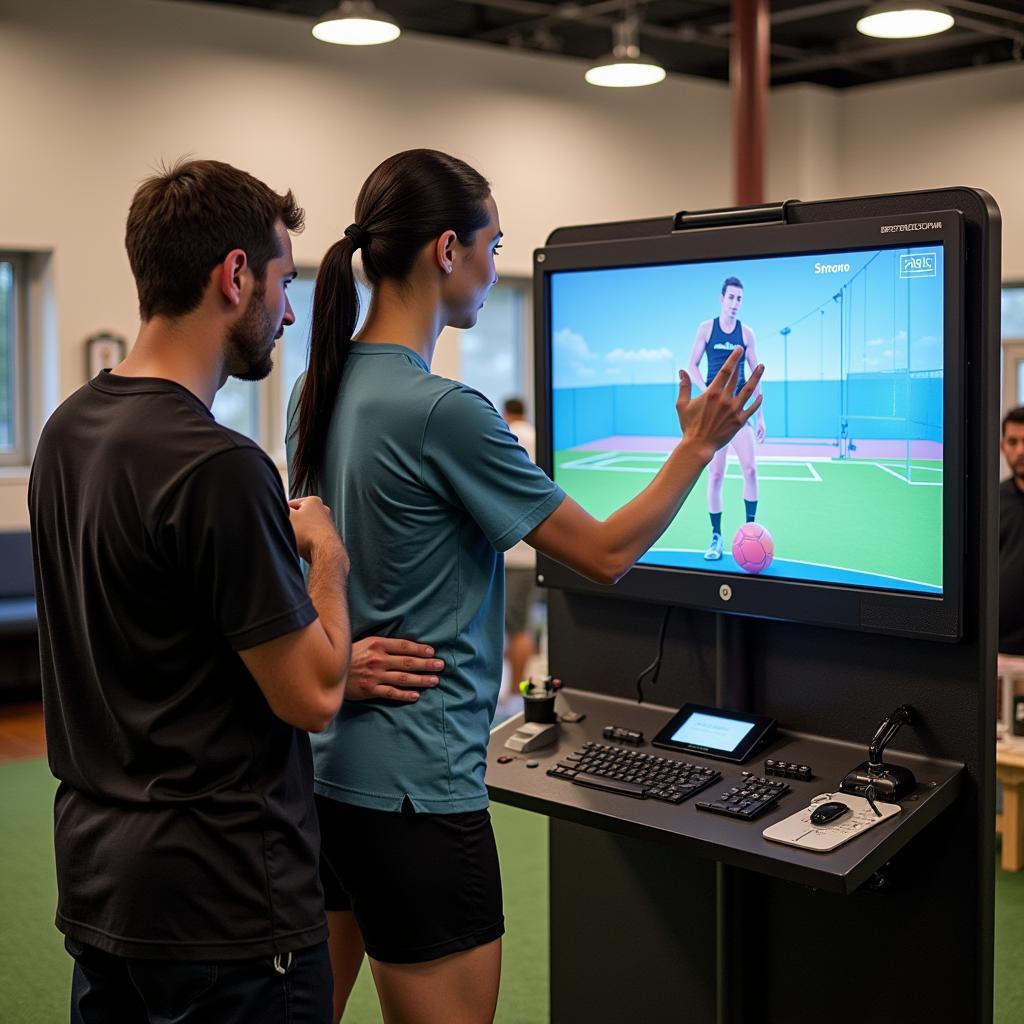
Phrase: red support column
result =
(748, 77)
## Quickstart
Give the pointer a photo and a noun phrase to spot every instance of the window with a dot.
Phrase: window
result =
(13, 353)
(1013, 312)
(1013, 346)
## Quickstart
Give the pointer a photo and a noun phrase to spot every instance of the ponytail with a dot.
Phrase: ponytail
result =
(335, 312)
(409, 199)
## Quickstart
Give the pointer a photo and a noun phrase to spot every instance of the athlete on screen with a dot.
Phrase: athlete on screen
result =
(717, 338)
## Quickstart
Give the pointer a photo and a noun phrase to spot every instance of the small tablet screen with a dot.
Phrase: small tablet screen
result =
(700, 730)
(714, 732)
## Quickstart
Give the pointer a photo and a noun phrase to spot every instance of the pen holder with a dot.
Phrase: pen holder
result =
(539, 708)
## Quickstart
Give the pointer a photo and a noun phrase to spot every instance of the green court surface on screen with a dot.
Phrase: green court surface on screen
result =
(861, 515)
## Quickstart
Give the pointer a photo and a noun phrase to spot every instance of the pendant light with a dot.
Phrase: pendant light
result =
(625, 67)
(906, 20)
(356, 23)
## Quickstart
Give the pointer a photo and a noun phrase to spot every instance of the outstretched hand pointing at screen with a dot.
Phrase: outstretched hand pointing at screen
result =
(713, 417)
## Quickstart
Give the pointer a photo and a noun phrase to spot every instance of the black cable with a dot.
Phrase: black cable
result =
(655, 666)
(870, 796)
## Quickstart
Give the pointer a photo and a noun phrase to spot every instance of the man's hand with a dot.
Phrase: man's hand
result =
(759, 429)
(712, 419)
(392, 669)
(313, 526)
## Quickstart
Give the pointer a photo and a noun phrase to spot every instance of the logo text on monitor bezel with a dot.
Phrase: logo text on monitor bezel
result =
(928, 225)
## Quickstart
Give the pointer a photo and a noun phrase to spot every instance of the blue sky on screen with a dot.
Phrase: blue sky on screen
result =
(638, 324)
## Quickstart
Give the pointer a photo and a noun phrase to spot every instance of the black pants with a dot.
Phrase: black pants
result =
(294, 988)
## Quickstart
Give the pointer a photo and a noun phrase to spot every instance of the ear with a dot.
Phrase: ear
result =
(445, 251)
(229, 275)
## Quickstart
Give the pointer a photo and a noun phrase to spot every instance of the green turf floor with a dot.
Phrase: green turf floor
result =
(859, 515)
(35, 971)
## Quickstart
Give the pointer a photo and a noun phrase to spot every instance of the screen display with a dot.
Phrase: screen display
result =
(838, 480)
(702, 730)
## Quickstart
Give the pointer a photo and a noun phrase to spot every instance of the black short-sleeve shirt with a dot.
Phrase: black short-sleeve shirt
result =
(184, 820)
(1011, 568)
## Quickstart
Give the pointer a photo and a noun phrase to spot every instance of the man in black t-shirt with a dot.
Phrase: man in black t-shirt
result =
(183, 655)
(1011, 536)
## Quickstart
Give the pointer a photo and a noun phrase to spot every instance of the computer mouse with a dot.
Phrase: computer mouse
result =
(823, 814)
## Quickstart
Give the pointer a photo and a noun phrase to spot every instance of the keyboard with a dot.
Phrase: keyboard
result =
(632, 773)
(751, 797)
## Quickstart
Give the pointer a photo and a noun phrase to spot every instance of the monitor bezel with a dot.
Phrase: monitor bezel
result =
(874, 610)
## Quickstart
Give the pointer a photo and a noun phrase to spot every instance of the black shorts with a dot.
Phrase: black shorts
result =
(421, 886)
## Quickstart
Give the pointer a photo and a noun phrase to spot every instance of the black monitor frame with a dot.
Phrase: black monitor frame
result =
(868, 609)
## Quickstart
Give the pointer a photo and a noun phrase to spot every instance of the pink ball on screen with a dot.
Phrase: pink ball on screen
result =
(753, 548)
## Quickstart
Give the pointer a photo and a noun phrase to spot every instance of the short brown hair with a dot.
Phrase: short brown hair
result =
(184, 221)
(1013, 416)
(732, 282)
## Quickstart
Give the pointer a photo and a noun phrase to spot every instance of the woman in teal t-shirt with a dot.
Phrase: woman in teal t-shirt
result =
(428, 487)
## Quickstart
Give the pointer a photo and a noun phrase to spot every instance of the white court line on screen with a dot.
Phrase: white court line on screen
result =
(912, 483)
(605, 462)
(796, 561)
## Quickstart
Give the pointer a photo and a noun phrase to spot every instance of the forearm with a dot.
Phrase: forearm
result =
(327, 585)
(628, 533)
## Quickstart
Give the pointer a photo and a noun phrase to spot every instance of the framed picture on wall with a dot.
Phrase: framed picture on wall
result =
(103, 351)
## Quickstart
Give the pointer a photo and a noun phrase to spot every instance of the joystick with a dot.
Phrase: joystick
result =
(873, 779)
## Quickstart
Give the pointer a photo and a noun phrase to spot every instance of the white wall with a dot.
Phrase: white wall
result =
(99, 91)
(962, 128)
(804, 129)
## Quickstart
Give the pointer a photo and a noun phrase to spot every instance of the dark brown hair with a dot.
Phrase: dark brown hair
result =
(406, 201)
(732, 282)
(184, 221)
(1013, 416)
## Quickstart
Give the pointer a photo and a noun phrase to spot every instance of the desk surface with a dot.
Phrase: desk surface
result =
(715, 836)
(1010, 752)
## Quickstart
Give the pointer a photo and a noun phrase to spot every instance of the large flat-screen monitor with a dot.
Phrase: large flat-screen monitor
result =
(841, 503)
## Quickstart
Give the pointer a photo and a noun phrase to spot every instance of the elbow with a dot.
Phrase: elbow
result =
(318, 723)
(321, 715)
(321, 711)
(609, 570)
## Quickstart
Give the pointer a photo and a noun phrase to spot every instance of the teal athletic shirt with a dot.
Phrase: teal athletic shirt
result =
(426, 485)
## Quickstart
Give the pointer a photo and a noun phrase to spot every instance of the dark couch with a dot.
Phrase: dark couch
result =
(17, 586)
(19, 647)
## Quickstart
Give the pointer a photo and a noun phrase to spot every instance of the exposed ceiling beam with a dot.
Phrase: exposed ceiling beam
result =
(805, 13)
(988, 28)
(888, 51)
(987, 9)
(537, 12)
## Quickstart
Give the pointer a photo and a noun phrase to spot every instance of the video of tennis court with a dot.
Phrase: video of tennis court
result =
(849, 474)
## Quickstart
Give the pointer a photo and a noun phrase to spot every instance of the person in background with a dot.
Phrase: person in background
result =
(1011, 536)
(183, 656)
(521, 591)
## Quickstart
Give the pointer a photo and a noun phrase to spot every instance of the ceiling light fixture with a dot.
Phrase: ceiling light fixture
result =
(625, 67)
(906, 20)
(356, 23)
